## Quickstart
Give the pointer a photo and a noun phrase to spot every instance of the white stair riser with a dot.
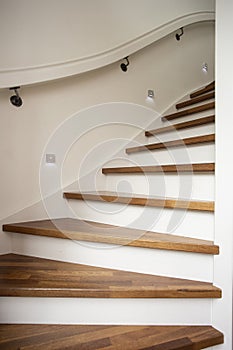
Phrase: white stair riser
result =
(176, 155)
(105, 311)
(143, 260)
(189, 223)
(196, 186)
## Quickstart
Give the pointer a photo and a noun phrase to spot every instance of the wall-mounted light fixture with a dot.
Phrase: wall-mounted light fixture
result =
(179, 35)
(125, 65)
(204, 68)
(16, 100)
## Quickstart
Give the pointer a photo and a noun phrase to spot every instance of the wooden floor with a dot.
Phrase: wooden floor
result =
(89, 231)
(25, 276)
(88, 337)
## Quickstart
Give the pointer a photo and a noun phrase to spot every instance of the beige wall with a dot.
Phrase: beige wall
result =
(47, 39)
(169, 67)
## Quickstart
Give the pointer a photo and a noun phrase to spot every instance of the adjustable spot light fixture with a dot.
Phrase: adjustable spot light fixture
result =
(16, 100)
(179, 35)
(125, 65)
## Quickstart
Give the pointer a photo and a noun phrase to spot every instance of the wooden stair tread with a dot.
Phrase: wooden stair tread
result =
(171, 168)
(180, 126)
(151, 201)
(109, 337)
(196, 140)
(97, 232)
(24, 276)
(204, 90)
(195, 100)
(189, 111)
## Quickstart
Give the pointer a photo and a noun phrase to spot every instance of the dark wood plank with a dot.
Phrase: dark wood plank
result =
(171, 168)
(180, 126)
(91, 337)
(204, 90)
(189, 111)
(196, 140)
(97, 232)
(195, 100)
(24, 276)
(152, 201)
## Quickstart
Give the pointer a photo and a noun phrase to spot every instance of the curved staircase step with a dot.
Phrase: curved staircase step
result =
(150, 201)
(204, 90)
(196, 140)
(25, 276)
(97, 232)
(180, 126)
(89, 337)
(195, 100)
(171, 168)
(189, 111)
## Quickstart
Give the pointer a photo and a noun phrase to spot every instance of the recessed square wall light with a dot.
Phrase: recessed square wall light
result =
(204, 68)
(151, 93)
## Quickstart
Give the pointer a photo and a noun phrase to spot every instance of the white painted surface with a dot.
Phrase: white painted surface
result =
(185, 223)
(116, 311)
(60, 38)
(222, 309)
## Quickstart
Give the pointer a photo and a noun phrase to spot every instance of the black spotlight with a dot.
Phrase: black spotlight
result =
(16, 100)
(179, 35)
(124, 66)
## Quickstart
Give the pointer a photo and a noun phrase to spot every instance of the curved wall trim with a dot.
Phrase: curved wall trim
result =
(47, 72)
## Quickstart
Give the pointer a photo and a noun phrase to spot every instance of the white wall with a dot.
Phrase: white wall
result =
(222, 309)
(67, 37)
(26, 130)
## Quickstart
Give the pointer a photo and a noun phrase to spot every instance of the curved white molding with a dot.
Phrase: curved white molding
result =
(42, 73)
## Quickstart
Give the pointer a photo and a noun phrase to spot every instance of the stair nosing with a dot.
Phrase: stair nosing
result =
(189, 111)
(182, 126)
(189, 141)
(168, 203)
(127, 236)
(164, 168)
(195, 100)
(204, 90)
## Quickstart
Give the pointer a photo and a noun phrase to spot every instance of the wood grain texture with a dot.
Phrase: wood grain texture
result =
(171, 168)
(196, 140)
(91, 337)
(185, 125)
(152, 201)
(96, 232)
(204, 90)
(189, 111)
(195, 100)
(24, 276)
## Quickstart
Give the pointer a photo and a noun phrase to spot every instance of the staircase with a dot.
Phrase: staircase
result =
(132, 271)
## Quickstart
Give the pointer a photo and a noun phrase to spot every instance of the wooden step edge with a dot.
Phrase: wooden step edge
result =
(109, 234)
(117, 337)
(42, 278)
(204, 168)
(204, 90)
(195, 100)
(196, 140)
(211, 84)
(185, 125)
(112, 197)
(189, 111)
